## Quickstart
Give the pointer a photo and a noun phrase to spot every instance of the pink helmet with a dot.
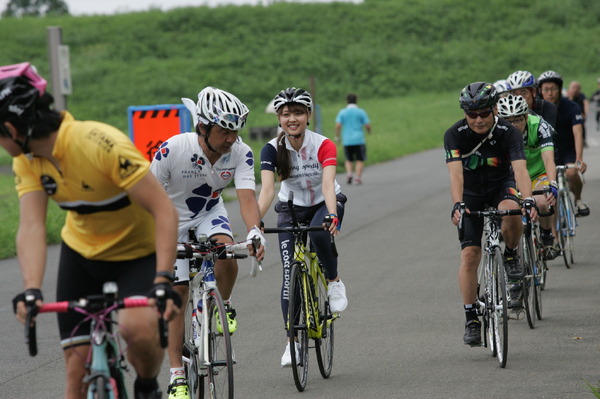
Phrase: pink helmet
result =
(27, 70)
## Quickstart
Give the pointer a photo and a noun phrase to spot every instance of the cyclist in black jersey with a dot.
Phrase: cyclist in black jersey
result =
(486, 161)
(523, 83)
(568, 143)
(120, 224)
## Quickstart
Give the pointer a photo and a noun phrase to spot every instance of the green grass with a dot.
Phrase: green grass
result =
(407, 60)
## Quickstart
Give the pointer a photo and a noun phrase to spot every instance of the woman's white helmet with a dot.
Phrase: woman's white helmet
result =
(512, 105)
(216, 106)
(292, 95)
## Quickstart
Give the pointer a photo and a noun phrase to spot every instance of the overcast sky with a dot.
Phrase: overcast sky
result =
(81, 7)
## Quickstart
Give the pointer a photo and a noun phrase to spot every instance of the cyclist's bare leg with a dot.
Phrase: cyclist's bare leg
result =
(512, 226)
(226, 271)
(575, 184)
(75, 371)
(139, 328)
(542, 204)
(177, 329)
(467, 273)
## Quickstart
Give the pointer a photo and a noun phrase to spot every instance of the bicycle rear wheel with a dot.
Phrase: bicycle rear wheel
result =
(500, 306)
(528, 285)
(220, 352)
(297, 322)
(324, 345)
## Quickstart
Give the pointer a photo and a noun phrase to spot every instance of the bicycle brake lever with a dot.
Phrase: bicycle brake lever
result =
(255, 263)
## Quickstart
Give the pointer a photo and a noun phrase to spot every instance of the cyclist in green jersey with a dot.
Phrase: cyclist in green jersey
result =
(539, 151)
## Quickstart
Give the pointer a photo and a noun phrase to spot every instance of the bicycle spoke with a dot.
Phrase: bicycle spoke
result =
(219, 382)
(297, 321)
(500, 307)
(324, 344)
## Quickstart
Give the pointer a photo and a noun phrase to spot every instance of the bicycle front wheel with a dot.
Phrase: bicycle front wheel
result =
(194, 378)
(220, 352)
(528, 285)
(563, 230)
(298, 325)
(500, 306)
(324, 344)
(100, 388)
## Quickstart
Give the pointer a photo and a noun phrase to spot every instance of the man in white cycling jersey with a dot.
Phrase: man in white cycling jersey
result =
(195, 168)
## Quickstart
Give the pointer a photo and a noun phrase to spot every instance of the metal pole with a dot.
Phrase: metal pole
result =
(54, 41)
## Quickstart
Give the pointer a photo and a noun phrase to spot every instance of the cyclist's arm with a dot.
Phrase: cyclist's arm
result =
(522, 177)
(31, 237)
(578, 135)
(249, 207)
(149, 194)
(455, 169)
(267, 191)
(548, 158)
(31, 243)
(328, 190)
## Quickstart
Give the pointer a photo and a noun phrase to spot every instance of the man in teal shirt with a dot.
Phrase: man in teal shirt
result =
(351, 122)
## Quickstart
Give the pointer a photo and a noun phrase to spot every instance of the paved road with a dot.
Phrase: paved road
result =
(401, 336)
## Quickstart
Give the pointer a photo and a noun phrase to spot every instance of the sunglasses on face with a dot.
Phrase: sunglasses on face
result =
(482, 114)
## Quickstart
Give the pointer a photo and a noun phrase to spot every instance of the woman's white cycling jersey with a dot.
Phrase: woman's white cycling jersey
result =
(307, 165)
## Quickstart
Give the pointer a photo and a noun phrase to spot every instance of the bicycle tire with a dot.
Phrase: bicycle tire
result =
(324, 346)
(527, 283)
(99, 388)
(116, 372)
(542, 267)
(484, 282)
(219, 383)
(562, 228)
(194, 379)
(500, 306)
(297, 325)
(190, 357)
(572, 230)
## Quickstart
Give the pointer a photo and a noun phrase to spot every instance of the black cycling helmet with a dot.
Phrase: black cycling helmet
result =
(551, 76)
(17, 99)
(478, 95)
(292, 95)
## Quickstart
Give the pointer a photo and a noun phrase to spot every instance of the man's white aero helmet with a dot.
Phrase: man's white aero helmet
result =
(217, 107)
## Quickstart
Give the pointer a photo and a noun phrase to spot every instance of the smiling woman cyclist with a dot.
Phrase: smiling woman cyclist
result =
(306, 164)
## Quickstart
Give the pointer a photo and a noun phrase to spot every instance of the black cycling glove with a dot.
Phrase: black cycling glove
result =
(455, 208)
(29, 296)
(164, 291)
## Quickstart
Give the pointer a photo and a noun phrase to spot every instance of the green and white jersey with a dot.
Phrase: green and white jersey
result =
(537, 139)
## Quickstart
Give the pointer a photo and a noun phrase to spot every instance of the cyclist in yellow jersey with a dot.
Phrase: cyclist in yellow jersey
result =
(120, 224)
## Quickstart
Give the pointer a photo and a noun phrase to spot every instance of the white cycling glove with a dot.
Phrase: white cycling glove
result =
(255, 231)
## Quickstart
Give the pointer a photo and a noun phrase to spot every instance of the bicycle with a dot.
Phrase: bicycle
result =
(493, 302)
(566, 223)
(105, 361)
(207, 349)
(309, 315)
(530, 286)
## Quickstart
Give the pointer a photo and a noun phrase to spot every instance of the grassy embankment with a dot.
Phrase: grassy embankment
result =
(407, 61)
